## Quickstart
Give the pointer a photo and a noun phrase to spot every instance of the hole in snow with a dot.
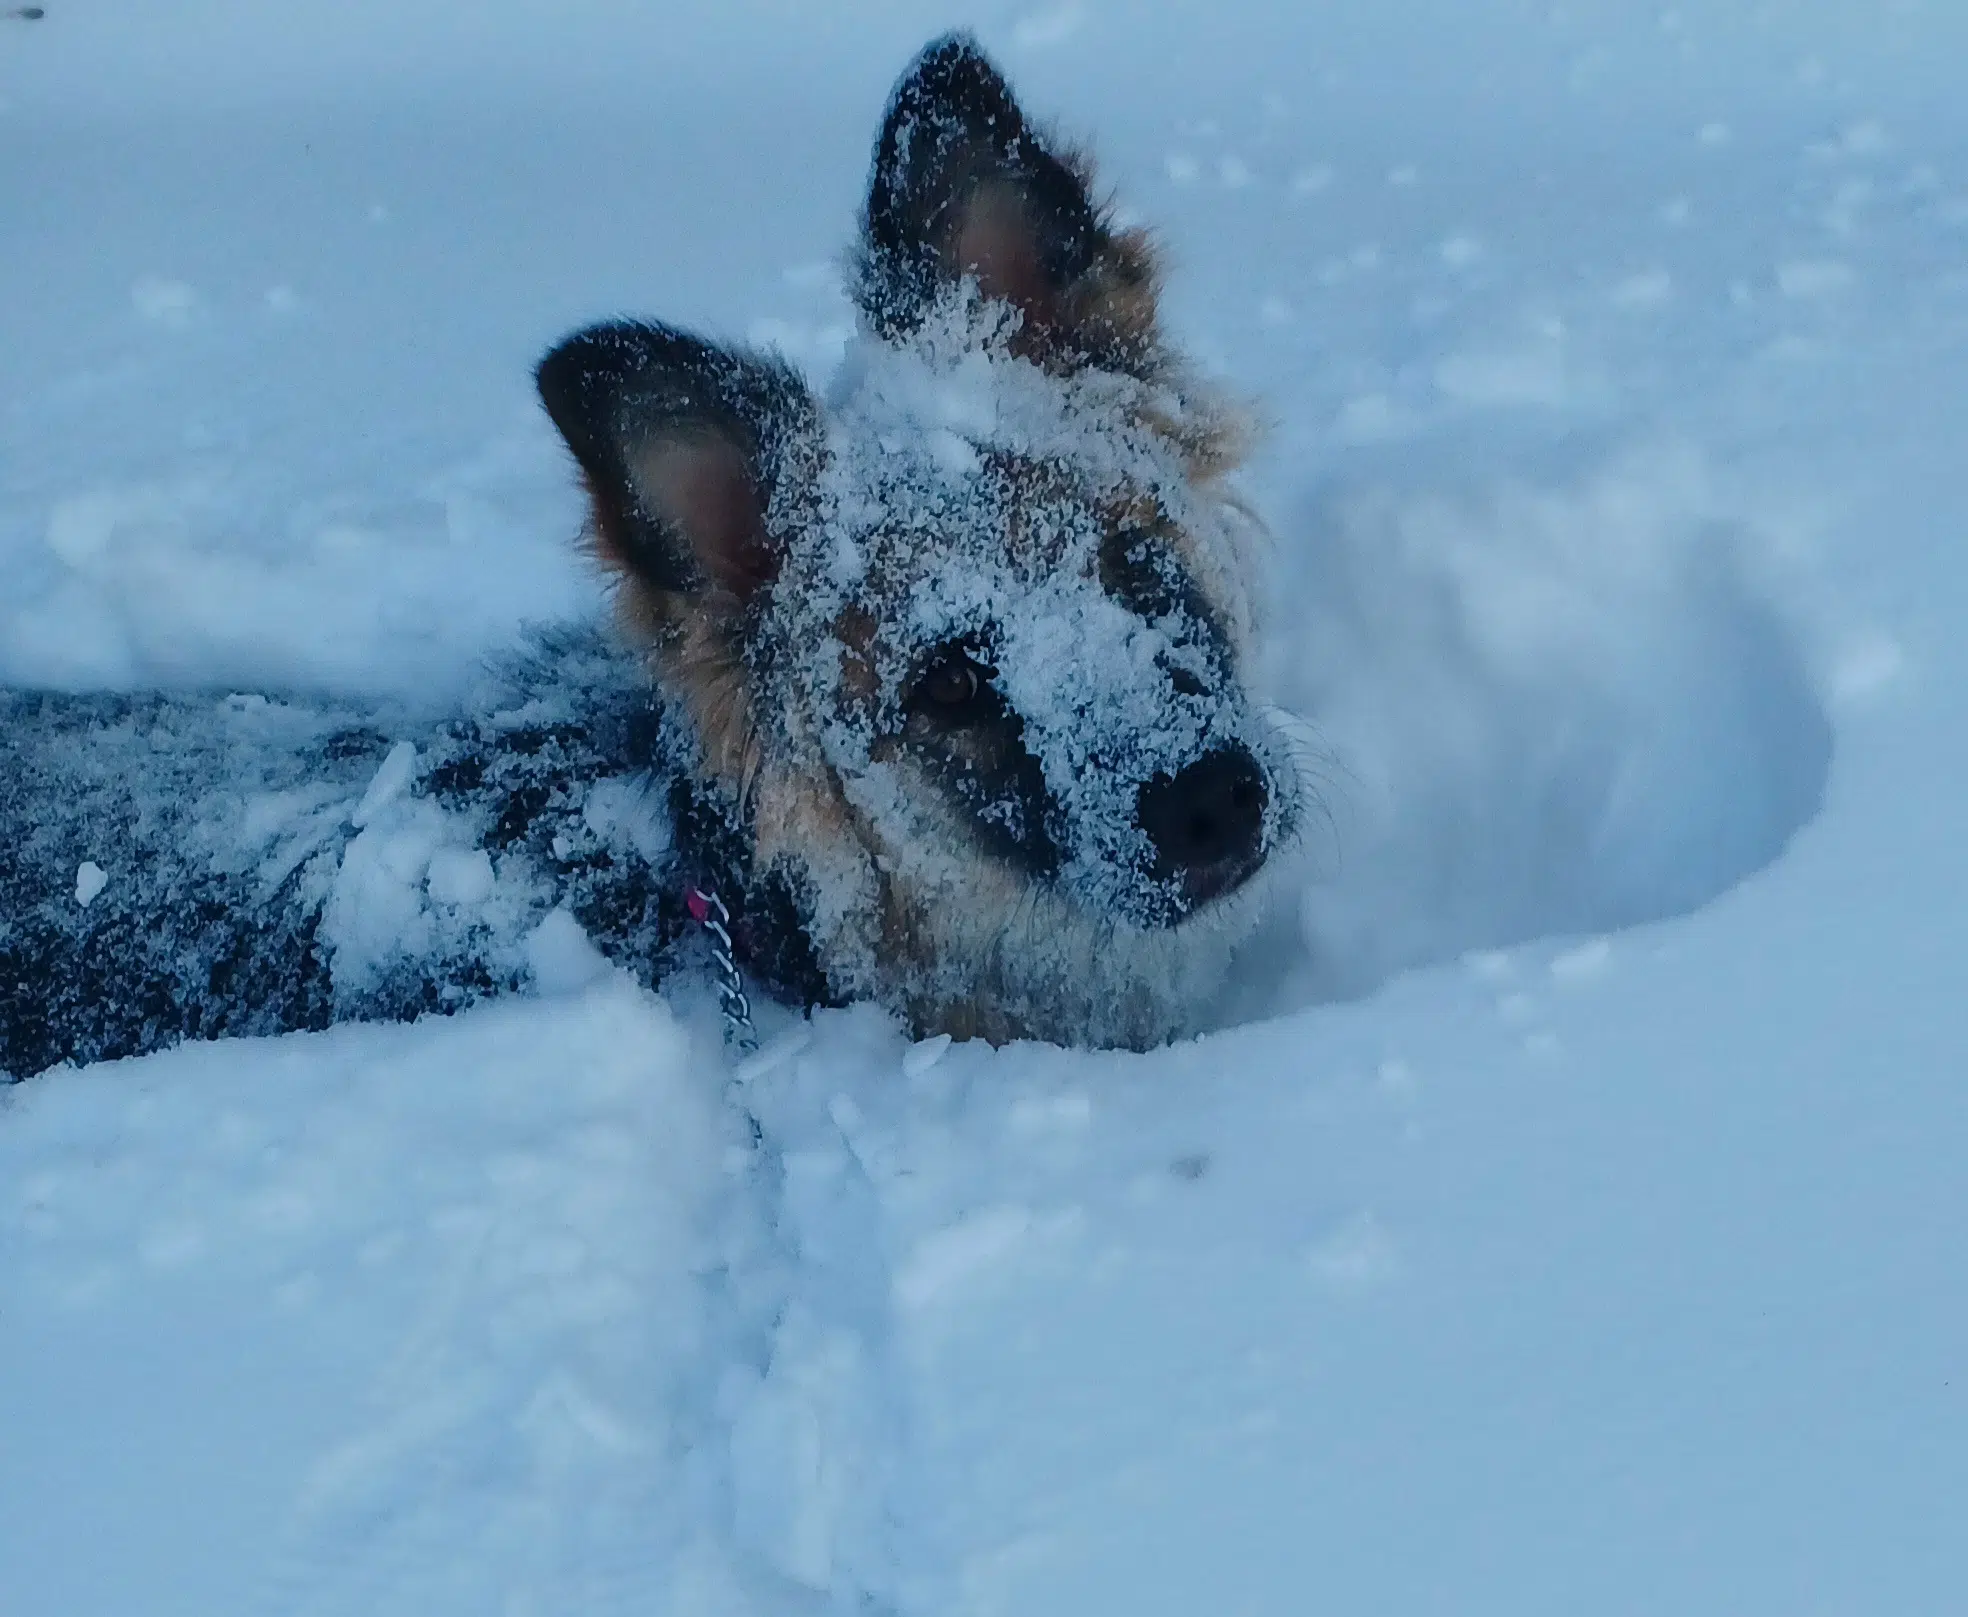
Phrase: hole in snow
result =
(1532, 712)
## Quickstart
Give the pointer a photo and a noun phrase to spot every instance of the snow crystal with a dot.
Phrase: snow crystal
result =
(1587, 960)
(1358, 1254)
(923, 1055)
(397, 770)
(772, 1056)
(90, 880)
(560, 958)
(1806, 279)
(946, 1261)
(163, 301)
(459, 876)
(1042, 30)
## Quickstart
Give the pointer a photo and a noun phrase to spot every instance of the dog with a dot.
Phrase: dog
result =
(937, 682)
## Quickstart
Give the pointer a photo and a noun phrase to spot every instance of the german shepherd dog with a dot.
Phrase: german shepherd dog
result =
(937, 681)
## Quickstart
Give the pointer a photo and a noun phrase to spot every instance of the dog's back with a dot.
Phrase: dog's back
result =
(178, 867)
(123, 921)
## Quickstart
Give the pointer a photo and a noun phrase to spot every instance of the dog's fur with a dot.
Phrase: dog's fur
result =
(938, 680)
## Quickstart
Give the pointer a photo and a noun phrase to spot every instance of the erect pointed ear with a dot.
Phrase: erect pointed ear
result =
(963, 186)
(681, 443)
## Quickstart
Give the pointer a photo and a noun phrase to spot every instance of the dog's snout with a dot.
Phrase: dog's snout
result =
(1207, 821)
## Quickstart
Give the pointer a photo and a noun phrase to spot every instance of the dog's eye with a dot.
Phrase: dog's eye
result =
(1140, 574)
(952, 685)
(950, 689)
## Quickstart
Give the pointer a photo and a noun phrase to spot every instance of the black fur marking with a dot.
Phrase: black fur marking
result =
(170, 947)
(977, 755)
(1148, 578)
(358, 742)
(953, 126)
(224, 825)
(122, 982)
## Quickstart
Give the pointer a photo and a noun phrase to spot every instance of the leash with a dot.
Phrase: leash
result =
(709, 912)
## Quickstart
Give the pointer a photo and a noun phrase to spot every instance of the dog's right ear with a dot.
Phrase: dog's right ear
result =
(964, 188)
(681, 443)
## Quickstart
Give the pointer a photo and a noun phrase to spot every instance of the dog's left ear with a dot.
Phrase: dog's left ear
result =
(962, 188)
(681, 443)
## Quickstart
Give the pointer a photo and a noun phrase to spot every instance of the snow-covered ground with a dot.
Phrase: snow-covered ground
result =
(1569, 1215)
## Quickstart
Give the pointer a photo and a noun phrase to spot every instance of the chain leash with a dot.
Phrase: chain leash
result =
(709, 912)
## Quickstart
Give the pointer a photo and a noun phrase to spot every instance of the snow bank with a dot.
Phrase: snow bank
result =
(1606, 1264)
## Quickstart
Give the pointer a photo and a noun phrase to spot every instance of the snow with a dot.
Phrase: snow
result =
(396, 771)
(90, 880)
(460, 876)
(1566, 1216)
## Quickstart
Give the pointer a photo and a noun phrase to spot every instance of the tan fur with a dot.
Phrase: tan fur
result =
(691, 646)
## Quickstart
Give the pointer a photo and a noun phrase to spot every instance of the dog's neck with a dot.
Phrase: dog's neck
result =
(714, 843)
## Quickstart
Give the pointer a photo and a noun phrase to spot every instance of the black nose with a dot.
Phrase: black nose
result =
(1207, 821)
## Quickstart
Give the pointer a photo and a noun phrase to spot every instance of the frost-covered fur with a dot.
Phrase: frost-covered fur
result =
(965, 497)
(197, 865)
(938, 679)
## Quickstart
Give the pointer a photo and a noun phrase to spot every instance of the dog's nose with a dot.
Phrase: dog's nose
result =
(1207, 821)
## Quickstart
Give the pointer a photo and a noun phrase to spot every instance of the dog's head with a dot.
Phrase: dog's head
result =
(967, 638)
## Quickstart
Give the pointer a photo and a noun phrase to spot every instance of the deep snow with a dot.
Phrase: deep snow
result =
(1567, 1217)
